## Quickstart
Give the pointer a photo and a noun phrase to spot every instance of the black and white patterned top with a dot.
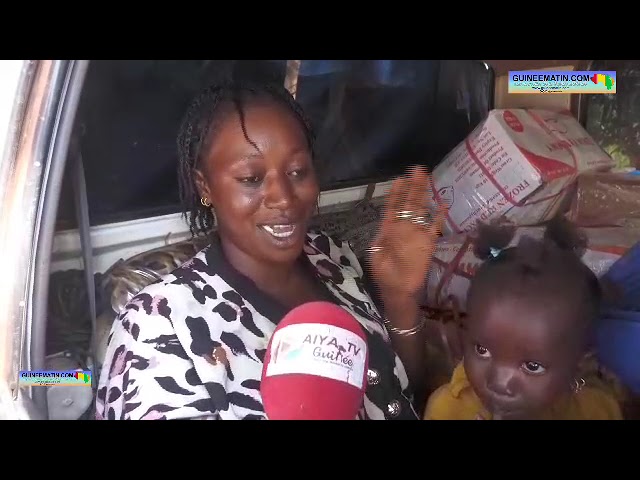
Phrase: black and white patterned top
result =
(160, 361)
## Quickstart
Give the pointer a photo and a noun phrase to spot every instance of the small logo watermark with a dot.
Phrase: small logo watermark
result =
(586, 82)
(46, 378)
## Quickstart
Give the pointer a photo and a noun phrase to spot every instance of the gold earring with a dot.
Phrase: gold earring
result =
(205, 202)
(578, 384)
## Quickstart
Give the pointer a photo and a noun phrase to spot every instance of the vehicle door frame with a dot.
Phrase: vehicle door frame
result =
(45, 105)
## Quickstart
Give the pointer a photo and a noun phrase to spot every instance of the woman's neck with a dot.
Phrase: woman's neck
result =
(265, 275)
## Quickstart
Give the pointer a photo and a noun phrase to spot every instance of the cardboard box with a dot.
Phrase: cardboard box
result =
(517, 163)
(606, 199)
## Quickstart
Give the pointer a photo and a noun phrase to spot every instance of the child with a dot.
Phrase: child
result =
(531, 312)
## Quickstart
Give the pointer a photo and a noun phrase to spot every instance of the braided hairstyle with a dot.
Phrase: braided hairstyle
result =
(550, 266)
(197, 131)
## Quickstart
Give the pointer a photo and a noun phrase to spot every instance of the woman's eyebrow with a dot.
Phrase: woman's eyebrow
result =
(300, 149)
(249, 157)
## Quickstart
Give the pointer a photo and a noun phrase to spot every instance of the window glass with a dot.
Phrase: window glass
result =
(372, 118)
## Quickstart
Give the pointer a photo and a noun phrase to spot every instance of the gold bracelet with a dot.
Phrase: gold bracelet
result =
(408, 332)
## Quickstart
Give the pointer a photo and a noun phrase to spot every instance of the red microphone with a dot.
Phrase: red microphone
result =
(315, 366)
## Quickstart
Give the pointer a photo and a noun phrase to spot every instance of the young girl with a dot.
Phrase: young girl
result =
(531, 312)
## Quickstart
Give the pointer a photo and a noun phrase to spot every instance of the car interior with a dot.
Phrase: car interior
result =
(119, 227)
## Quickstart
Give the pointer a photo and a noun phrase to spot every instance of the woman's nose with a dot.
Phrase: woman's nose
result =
(500, 381)
(279, 193)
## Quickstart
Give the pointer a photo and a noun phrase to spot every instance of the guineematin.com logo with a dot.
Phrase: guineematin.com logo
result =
(52, 378)
(537, 82)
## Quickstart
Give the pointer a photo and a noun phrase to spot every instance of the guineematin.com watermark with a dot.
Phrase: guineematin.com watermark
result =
(583, 82)
(81, 378)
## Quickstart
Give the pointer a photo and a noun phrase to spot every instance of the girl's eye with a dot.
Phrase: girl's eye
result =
(482, 351)
(298, 173)
(533, 368)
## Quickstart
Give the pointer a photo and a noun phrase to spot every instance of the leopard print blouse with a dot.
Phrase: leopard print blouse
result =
(163, 359)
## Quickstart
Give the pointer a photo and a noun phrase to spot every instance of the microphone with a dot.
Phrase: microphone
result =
(315, 365)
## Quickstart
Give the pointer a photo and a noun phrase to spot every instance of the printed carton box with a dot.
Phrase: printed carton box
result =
(518, 163)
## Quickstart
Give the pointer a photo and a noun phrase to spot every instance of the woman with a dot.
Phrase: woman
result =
(192, 345)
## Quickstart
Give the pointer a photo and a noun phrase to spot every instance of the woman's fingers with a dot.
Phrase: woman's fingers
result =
(398, 196)
(410, 194)
(394, 204)
(417, 195)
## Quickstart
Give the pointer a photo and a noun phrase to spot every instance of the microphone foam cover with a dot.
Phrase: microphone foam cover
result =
(315, 366)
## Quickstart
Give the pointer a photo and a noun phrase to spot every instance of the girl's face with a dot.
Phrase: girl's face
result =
(521, 354)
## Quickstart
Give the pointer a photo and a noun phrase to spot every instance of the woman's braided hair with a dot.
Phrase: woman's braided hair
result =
(198, 128)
